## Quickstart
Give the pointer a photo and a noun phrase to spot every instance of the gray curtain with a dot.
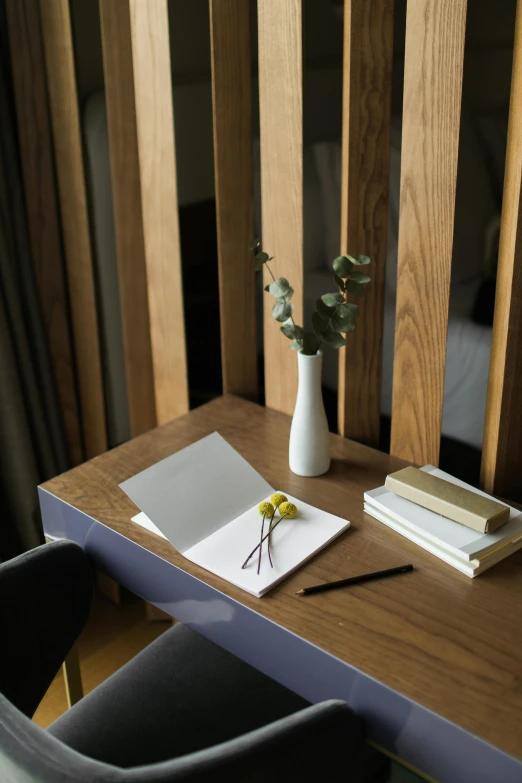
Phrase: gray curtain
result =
(32, 442)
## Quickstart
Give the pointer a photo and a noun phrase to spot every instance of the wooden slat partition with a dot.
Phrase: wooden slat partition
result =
(430, 137)
(63, 100)
(281, 130)
(232, 111)
(135, 37)
(502, 447)
(34, 135)
(368, 49)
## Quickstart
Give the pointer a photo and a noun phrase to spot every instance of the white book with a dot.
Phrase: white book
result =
(432, 530)
(469, 567)
(204, 500)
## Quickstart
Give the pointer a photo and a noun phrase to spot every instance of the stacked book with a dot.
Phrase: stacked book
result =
(493, 535)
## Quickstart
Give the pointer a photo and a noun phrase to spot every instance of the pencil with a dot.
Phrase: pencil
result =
(355, 580)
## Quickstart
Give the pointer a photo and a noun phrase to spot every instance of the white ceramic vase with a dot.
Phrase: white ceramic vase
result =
(309, 437)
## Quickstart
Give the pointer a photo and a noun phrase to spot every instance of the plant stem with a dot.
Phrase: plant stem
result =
(260, 547)
(252, 553)
(269, 531)
(271, 273)
(291, 317)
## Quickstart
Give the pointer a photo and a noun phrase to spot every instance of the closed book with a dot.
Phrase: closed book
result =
(479, 512)
(470, 568)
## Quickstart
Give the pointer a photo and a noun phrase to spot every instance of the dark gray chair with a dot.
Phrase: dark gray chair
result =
(181, 710)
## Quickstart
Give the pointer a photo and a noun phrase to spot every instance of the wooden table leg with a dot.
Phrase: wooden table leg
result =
(155, 615)
(72, 677)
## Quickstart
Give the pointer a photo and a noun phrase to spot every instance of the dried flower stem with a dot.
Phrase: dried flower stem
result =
(260, 544)
(269, 532)
(252, 553)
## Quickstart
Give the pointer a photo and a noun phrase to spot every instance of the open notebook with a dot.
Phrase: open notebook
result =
(204, 500)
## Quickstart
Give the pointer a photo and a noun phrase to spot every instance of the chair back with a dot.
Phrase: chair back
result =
(320, 742)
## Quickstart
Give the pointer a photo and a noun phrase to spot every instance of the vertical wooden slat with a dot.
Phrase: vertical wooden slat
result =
(127, 207)
(368, 48)
(281, 130)
(430, 137)
(156, 147)
(34, 135)
(232, 112)
(61, 80)
(135, 38)
(502, 447)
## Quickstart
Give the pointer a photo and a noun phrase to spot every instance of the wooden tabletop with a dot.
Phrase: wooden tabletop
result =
(451, 643)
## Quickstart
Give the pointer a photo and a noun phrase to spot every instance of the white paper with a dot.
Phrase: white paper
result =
(143, 520)
(204, 500)
(197, 490)
(294, 541)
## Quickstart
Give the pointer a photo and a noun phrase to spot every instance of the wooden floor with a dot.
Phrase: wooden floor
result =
(113, 635)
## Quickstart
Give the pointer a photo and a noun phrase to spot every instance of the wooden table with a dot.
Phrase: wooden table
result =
(432, 659)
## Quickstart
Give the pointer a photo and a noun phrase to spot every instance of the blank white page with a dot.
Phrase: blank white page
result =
(294, 541)
(197, 490)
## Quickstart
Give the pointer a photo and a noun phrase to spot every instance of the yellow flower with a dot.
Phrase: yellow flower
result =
(266, 508)
(288, 510)
(278, 498)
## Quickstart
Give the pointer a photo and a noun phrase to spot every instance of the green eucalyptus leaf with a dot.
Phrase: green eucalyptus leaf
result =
(341, 319)
(295, 346)
(324, 310)
(348, 308)
(342, 324)
(338, 281)
(332, 299)
(310, 344)
(279, 287)
(319, 324)
(343, 265)
(260, 260)
(354, 288)
(291, 330)
(254, 244)
(267, 288)
(288, 329)
(281, 311)
(360, 260)
(334, 339)
(360, 277)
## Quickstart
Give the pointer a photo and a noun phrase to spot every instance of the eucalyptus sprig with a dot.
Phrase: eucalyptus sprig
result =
(334, 314)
